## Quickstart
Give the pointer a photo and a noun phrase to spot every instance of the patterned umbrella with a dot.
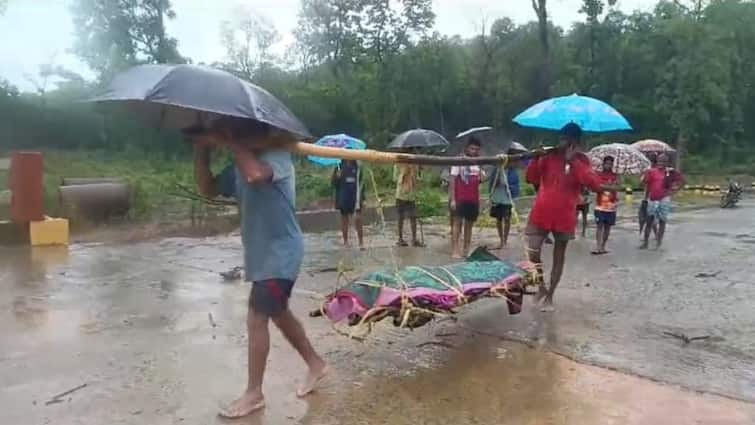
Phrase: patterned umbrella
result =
(342, 141)
(627, 160)
(652, 146)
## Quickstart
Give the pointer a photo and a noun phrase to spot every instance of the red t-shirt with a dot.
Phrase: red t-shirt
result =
(559, 191)
(605, 200)
(466, 182)
(661, 182)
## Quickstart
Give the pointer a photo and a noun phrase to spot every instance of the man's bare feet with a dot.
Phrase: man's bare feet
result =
(542, 293)
(248, 403)
(546, 306)
(313, 379)
(499, 246)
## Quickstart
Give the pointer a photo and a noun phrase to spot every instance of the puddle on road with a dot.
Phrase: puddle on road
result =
(491, 382)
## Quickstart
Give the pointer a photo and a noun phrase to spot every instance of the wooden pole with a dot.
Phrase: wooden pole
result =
(369, 155)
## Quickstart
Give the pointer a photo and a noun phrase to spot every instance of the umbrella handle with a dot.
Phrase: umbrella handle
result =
(369, 155)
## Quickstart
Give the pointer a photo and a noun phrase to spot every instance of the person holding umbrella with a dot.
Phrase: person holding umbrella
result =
(262, 179)
(347, 180)
(216, 109)
(560, 177)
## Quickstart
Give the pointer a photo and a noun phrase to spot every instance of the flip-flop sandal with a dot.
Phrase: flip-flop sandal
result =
(596, 252)
(418, 244)
(257, 407)
(313, 387)
(402, 243)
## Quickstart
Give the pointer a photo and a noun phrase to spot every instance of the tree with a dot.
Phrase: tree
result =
(328, 33)
(545, 77)
(113, 34)
(248, 39)
(593, 9)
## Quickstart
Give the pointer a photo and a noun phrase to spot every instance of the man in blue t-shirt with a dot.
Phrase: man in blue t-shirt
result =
(263, 181)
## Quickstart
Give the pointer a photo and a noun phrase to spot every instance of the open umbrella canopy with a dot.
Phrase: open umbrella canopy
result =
(481, 132)
(517, 147)
(186, 96)
(591, 115)
(653, 146)
(490, 143)
(418, 138)
(626, 159)
(342, 141)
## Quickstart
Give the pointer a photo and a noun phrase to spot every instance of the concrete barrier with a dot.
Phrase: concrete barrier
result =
(315, 221)
(78, 181)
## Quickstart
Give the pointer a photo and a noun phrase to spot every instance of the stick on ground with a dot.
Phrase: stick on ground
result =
(57, 398)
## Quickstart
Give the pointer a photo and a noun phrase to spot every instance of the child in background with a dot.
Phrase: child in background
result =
(504, 187)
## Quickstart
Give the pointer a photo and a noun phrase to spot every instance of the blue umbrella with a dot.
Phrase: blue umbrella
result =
(342, 141)
(592, 115)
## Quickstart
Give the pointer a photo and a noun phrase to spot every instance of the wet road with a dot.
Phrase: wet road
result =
(135, 323)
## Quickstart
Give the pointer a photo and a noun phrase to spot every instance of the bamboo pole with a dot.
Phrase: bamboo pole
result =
(370, 155)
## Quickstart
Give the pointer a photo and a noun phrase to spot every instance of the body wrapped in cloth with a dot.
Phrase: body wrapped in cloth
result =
(414, 295)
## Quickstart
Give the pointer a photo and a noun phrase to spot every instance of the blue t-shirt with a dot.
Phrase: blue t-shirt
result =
(270, 233)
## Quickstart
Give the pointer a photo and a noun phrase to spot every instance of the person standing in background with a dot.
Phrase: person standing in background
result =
(606, 204)
(347, 180)
(464, 198)
(583, 207)
(407, 185)
(661, 183)
(504, 188)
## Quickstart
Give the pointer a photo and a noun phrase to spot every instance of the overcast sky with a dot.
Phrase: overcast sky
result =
(34, 32)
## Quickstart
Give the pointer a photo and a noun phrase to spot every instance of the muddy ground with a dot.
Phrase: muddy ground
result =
(157, 336)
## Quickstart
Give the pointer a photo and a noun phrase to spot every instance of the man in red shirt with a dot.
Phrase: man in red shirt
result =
(464, 199)
(606, 203)
(560, 176)
(661, 182)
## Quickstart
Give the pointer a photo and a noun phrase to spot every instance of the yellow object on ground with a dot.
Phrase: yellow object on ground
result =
(50, 231)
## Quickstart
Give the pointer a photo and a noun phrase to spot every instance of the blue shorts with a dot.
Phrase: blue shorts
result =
(605, 217)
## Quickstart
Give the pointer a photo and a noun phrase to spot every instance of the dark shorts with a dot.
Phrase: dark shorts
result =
(406, 208)
(467, 210)
(500, 211)
(533, 230)
(585, 208)
(605, 217)
(270, 297)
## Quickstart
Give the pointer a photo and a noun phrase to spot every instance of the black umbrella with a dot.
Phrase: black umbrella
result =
(185, 96)
(418, 138)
